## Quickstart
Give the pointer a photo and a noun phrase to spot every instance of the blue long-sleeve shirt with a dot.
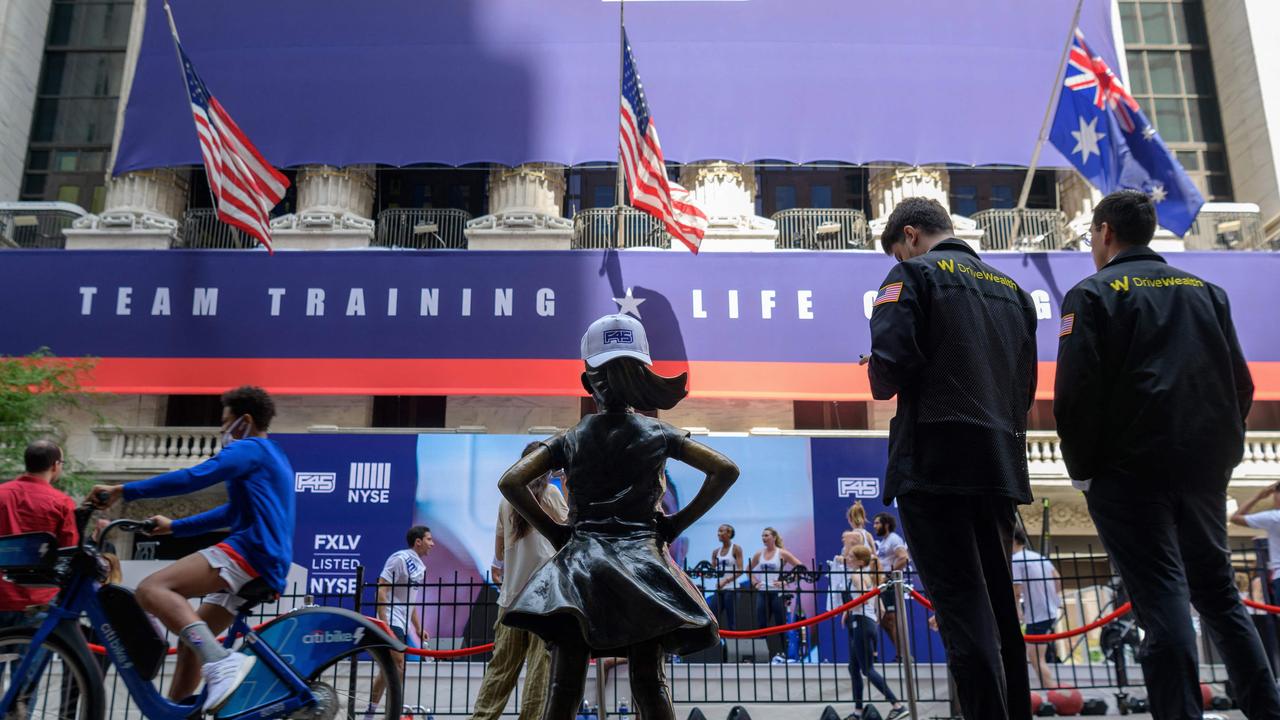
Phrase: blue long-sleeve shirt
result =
(260, 508)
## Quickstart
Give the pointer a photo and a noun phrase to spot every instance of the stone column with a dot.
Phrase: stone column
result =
(524, 210)
(726, 192)
(143, 210)
(890, 186)
(335, 210)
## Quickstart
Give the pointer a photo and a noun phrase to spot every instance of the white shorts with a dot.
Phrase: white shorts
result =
(232, 572)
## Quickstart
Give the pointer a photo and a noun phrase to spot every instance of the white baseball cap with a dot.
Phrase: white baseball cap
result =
(615, 336)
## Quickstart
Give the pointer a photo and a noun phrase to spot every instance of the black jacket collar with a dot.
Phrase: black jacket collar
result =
(1134, 254)
(955, 244)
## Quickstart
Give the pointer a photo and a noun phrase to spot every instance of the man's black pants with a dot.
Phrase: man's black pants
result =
(961, 545)
(1171, 551)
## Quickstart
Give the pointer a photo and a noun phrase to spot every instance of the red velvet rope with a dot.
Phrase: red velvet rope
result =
(873, 592)
(1120, 611)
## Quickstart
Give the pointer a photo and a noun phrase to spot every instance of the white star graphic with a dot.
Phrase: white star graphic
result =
(1148, 133)
(629, 304)
(1157, 193)
(1087, 138)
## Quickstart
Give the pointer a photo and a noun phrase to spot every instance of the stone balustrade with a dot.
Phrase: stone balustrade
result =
(158, 449)
(151, 449)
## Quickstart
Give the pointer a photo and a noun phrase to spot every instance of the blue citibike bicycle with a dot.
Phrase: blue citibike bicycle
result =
(313, 663)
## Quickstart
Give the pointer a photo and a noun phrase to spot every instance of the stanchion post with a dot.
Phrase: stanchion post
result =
(602, 712)
(904, 641)
(355, 659)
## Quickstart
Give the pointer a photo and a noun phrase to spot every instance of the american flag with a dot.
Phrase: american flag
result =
(245, 187)
(646, 172)
(1068, 325)
(889, 293)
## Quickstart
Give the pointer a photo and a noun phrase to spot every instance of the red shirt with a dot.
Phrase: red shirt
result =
(29, 504)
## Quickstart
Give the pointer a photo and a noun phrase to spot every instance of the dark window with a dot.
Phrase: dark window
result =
(964, 199)
(78, 95)
(602, 196)
(784, 197)
(408, 411)
(822, 415)
(820, 196)
(193, 411)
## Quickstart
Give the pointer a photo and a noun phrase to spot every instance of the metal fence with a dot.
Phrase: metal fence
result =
(1226, 230)
(821, 229)
(1037, 230)
(805, 665)
(202, 230)
(593, 229)
(36, 224)
(422, 229)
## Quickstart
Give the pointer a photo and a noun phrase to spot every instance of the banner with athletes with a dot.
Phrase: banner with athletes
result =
(786, 325)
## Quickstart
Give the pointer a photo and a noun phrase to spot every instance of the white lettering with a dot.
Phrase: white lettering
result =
(330, 585)
(466, 302)
(393, 297)
(315, 302)
(502, 302)
(123, 297)
(546, 302)
(430, 302)
(805, 300)
(86, 299)
(355, 302)
(733, 304)
(204, 301)
(1044, 310)
(276, 294)
(160, 305)
(868, 300)
(337, 542)
(767, 303)
(698, 311)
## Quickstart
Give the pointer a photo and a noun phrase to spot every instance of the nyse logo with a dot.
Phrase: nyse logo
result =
(867, 487)
(316, 482)
(369, 483)
(349, 543)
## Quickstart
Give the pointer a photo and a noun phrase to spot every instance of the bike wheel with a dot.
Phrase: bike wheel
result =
(66, 689)
(345, 687)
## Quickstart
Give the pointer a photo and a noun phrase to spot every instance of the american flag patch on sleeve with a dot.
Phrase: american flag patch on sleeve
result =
(889, 293)
(1068, 324)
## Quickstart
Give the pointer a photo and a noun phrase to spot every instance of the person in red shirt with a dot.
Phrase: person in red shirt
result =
(30, 503)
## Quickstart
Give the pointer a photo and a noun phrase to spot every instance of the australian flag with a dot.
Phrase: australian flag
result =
(1102, 131)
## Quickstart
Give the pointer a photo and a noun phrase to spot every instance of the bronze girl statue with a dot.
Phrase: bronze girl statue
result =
(612, 589)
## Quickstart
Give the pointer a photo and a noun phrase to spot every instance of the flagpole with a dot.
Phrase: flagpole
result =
(619, 190)
(177, 52)
(1044, 124)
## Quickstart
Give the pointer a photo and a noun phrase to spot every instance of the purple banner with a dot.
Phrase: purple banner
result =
(509, 81)
(786, 324)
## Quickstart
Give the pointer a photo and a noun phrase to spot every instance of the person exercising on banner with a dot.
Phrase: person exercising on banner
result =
(260, 514)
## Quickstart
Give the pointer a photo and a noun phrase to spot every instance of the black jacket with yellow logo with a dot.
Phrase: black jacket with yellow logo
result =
(954, 339)
(1151, 387)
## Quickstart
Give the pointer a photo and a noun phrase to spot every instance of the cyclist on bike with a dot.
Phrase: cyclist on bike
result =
(260, 514)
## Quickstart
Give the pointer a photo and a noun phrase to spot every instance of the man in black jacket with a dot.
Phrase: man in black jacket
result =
(1151, 397)
(954, 339)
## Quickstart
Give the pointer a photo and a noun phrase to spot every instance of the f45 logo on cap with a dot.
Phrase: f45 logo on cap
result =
(622, 337)
(864, 487)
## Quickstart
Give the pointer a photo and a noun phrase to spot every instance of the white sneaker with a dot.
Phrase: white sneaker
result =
(223, 677)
